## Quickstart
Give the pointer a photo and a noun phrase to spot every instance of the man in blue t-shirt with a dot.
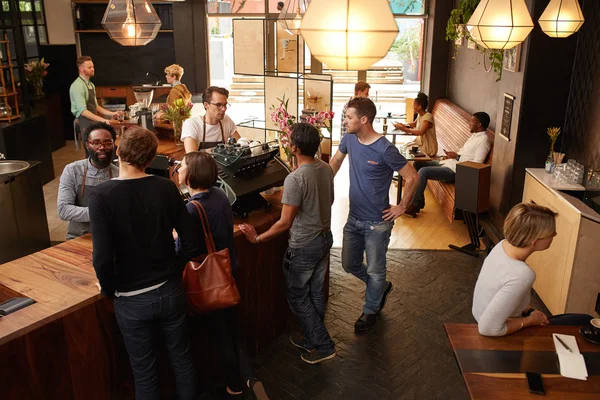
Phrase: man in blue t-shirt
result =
(373, 160)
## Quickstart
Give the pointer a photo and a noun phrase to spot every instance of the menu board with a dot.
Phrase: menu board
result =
(509, 102)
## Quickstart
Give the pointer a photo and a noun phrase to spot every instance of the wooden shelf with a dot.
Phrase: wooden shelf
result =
(11, 118)
(8, 94)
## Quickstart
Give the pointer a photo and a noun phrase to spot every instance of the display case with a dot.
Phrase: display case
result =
(9, 101)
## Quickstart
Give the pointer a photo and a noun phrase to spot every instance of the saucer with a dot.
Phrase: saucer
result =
(589, 334)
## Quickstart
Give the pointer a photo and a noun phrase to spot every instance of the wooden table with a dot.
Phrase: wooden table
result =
(494, 368)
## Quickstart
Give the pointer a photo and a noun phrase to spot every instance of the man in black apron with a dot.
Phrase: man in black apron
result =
(80, 178)
(205, 132)
(84, 105)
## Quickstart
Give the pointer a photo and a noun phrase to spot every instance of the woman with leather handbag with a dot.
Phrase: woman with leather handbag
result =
(205, 290)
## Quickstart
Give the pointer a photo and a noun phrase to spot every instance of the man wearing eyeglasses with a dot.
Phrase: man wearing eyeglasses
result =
(80, 177)
(206, 131)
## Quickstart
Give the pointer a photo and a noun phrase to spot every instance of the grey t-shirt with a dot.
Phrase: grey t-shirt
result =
(310, 187)
(503, 290)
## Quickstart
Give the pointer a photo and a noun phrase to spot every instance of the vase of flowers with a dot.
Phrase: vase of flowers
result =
(553, 133)
(285, 121)
(176, 113)
(35, 71)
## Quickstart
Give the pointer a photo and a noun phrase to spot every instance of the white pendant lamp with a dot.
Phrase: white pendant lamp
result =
(561, 18)
(131, 22)
(291, 14)
(500, 24)
(349, 34)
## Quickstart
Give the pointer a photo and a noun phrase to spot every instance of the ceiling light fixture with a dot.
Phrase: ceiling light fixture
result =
(131, 22)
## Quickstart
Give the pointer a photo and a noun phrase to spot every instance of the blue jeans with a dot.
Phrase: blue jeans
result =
(304, 269)
(374, 238)
(140, 319)
(430, 170)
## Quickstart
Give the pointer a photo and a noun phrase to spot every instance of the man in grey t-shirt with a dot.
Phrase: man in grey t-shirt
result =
(307, 199)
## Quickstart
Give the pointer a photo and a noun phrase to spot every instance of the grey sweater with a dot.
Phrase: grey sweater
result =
(503, 290)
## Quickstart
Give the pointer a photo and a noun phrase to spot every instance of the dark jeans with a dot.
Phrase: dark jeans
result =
(225, 331)
(570, 319)
(430, 170)
(140, 318)
(304, 269)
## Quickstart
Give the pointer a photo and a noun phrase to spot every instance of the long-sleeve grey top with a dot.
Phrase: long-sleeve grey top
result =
(71, 206)
(502, 291)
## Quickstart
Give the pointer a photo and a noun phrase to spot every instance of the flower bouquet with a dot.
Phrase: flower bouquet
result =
(285, 121)
(176, 114)
(35, 71)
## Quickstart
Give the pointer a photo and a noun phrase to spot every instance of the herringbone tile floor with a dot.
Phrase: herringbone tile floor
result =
(406, 355)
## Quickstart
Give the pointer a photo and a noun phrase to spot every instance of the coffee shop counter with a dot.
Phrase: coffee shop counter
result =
(68, 345)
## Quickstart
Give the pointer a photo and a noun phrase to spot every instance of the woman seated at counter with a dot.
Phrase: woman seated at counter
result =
(423, 128)
(173, 74)
(501, 303)
(199, 173)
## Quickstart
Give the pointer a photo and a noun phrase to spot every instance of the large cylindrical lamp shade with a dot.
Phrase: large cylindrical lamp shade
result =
(500, 24)
(349, 34)
(561, 18)
(131, 22)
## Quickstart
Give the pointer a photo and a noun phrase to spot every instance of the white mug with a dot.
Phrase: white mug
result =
(595, 322)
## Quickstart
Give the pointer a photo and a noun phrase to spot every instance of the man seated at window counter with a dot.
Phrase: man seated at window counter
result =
(79, 178)
(206, 131)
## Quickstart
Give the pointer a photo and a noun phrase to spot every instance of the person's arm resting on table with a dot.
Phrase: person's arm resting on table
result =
(413, 131)
(496, 319)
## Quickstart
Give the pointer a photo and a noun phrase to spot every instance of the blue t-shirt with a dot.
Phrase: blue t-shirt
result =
(371, 170)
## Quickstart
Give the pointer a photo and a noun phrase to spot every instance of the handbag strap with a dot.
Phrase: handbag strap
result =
(208, 237)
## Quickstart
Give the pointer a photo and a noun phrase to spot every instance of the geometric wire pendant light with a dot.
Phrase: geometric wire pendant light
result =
(561, 18)
(500, 24)
(131, 22)
(291, 14)
(349, 35)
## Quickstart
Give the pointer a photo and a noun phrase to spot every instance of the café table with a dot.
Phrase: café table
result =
(405, 151)
(494, 367)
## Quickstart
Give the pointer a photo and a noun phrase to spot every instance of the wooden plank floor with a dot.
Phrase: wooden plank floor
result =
(430, 230)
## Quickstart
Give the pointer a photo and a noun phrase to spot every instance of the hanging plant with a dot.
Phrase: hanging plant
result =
(456, 28)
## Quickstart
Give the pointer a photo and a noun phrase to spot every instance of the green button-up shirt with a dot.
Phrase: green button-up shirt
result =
(78, 92)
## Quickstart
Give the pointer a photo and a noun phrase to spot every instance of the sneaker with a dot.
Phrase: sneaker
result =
(388, 290)
(257, 389)
(316, 357)
(365, 322)
(297, 339)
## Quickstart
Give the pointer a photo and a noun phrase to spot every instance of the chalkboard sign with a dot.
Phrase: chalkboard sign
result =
(509, 102)
(127, 65)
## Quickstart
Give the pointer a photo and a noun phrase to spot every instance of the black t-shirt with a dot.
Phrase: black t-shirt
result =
(132, 221)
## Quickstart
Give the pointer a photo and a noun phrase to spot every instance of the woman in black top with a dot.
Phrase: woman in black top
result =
(132, 219)
(198, 171)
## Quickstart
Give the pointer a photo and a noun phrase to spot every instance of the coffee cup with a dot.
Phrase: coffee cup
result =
(415, 149)
(595, 322)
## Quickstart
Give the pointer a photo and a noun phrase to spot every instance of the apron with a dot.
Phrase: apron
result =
(209, 145)
(91, 107)
(77, 228)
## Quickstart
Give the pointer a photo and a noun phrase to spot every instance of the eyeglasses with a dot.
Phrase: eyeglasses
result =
(98, 143)
(221, 106)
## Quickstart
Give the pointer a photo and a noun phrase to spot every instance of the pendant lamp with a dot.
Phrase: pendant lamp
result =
(500, 24)
(131, 22)
(561, 18)
(291, 14)
(349, 34)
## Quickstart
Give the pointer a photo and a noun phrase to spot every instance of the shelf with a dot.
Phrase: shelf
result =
(8, 94)
(11, 118)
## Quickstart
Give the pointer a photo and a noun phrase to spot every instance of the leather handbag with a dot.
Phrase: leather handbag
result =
(207, 279)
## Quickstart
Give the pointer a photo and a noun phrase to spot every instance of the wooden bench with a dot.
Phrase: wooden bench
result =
(452, 131)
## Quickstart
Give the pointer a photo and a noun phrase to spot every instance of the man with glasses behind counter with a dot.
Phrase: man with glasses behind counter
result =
(206, 131)
(80, 177)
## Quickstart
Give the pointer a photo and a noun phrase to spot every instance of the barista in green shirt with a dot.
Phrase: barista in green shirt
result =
(83, 98)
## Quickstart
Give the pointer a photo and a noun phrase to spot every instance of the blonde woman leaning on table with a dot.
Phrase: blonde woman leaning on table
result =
(423, 127)
(501, 303)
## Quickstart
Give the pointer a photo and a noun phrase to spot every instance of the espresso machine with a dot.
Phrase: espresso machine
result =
(144, 115)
